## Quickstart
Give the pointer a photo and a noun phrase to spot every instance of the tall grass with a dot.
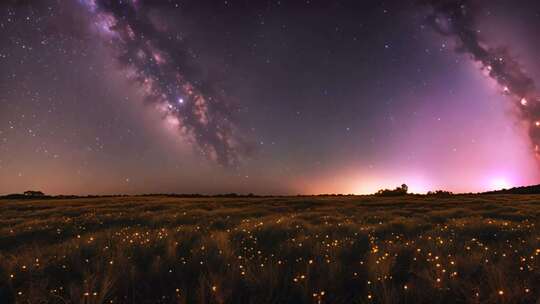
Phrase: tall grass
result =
(461, 249)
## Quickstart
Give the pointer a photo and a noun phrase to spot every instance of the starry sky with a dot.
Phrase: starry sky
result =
(269, 97)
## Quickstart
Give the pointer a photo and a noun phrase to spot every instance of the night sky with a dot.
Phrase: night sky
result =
(269, 97)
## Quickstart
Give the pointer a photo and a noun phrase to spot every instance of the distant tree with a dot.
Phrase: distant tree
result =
(399, 191)
(34, 193)
(404, 188)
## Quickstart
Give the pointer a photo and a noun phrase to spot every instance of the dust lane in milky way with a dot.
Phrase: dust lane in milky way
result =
(457, 19)
(160, 62)
(102, 96)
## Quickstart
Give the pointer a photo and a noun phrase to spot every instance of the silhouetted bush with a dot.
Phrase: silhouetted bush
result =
(399, 191)
(440, 193)
(34, 193)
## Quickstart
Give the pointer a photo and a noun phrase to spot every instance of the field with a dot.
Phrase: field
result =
(350, 249)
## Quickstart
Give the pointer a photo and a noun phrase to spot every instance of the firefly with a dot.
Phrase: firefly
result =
(523, 101)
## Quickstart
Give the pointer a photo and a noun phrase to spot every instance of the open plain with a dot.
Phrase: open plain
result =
(335, 249)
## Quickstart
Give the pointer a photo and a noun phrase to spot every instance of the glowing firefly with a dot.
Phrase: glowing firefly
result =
(523, 101)
(506, 89)
(537, 123)
(180, 100)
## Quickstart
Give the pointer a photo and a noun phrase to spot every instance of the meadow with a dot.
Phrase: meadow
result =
(335, 249)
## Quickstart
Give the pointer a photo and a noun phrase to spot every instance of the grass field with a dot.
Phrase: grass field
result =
(414, 249)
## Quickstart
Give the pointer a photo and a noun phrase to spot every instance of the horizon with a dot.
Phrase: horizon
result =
(247, 194)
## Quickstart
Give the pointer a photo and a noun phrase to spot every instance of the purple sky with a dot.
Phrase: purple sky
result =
(287, 98)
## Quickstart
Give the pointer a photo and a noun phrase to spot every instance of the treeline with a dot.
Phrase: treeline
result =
(20, 196)
(40, 195)
(398, 191)
(517, 190)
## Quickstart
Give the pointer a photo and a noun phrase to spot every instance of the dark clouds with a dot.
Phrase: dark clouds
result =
(155, 55)
(458, 19)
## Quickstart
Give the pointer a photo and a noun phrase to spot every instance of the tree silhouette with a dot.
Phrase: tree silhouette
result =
(399, 191)
(34, 193)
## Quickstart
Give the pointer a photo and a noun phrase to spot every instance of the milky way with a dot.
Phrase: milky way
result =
(163, 66)
(458, 19)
